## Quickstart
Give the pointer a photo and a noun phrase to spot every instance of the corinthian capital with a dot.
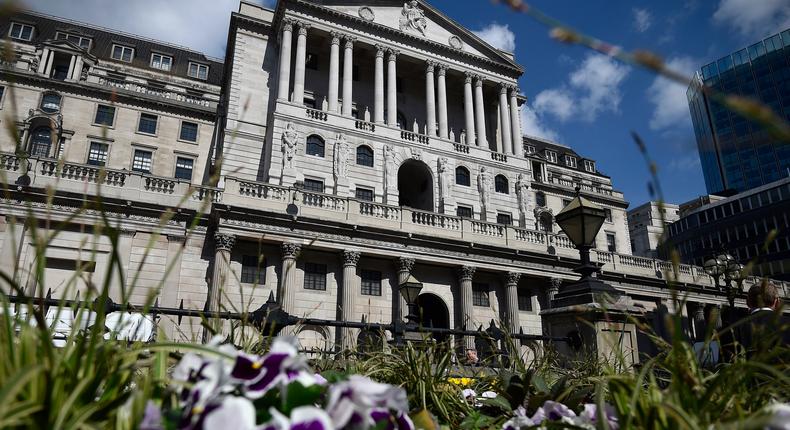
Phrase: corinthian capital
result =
(350, 258)
(405, 264)
(291, 250)
(224, 242)
(511, 278)
(465, 273)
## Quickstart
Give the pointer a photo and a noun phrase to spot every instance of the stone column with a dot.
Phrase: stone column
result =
(348, 75)
(170, 289)
(42, 65)
(469, 110)
(515, 123)
(350, 289)
(511, 294)
(78, 65)
(13, 231)
(392, 89)
(699, 322)
(430, 100)
(378, 90)
(504, 121)
(554, 288)
(441, 88)
(299, 63)
(285, 61)
(223, 244)
(286, 291)
(334, 72)
(70, 74)
(480, 113)
(465, 275)
(118, 286)
(405, 266)
(50, 60)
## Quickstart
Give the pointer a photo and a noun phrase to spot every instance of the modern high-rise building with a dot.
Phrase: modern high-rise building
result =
(738, 154)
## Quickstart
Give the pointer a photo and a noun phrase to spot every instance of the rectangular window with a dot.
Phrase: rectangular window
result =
(82, 42)
(21, 31)
(314, 276)
(184, 168)
(565, 202)
(611, 242)
(142, 161)
(463, 211)
(480, 295)
(189, 131)
(524, 301)
(147, 123)
(97, 154)
(105, 115)
(371, 282)
(589, 166)
(253, 270)
(570, 161)
(161, 62)
(199, 71)
(608, 213)
(364, 194)
(314, 185)
(551, 156)
(529, 149)
(504, 219)
(122, 53)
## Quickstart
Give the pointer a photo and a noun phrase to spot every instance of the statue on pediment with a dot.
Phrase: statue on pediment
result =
(484, 187)
(444, 179)
(290, 138)
(341, 156)
(522, 195)
(412, 17)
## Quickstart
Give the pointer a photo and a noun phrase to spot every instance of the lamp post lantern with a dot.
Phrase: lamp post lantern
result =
(724, 265)
(410, 290)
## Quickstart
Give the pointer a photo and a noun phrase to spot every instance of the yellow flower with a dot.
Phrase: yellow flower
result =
(463, 382)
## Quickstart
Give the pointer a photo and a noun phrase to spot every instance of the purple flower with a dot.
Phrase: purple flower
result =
(152, 419)
(519, 421)
(279, 367)
(467, 393)
(237, 413)
(354, 401)
(397, 421)
(553, 411)
(778, 416)
(590, 415)
(302, 418)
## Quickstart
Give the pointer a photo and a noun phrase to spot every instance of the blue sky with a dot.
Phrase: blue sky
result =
(578, 98)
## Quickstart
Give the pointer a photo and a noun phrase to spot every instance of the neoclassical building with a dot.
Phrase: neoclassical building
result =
(343, 147)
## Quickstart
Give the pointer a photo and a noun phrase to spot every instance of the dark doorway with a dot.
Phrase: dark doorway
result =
(415, 186)
(433, 313)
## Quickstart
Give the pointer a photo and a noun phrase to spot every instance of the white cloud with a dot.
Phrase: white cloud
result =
(532, 125)
(686, 162)
(669, 97)
(499, 36)
(201, 25)
(754, 18)
(557, 102)
(642, 19)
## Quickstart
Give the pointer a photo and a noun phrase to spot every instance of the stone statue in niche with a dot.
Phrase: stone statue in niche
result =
(483, 187)
(367, 114)
(463, 137)
(415, 127)
(289, 139)
(522, 195)
(444, 180)
(389, 161)
(324, 105)
(341, 156)
(452, 135)
(413, 18)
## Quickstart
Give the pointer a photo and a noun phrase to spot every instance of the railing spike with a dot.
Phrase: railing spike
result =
(363, 319)
(180, 307)
(271, 297)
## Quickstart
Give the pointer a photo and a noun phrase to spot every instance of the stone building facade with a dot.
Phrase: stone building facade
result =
(344, 148)
(646, 226)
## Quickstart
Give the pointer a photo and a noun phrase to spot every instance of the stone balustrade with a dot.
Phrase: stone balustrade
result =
(591, 188)
(154, 91)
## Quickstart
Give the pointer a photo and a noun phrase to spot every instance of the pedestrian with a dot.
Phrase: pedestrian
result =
(764, 328)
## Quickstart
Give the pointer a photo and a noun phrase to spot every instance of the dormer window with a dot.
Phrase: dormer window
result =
(82, 42)
(161, 62)
(50, 102)
(21, 31)
(122, 53)
(197, 70)
(551, 156)
(589, 166)
(570, 161)
(529, 149)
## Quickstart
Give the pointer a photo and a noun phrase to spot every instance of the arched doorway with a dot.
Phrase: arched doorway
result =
(432, 312)
(415, 185)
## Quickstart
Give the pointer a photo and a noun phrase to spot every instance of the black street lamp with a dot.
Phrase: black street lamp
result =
(724, 265)
(410, 289)
(581, 220)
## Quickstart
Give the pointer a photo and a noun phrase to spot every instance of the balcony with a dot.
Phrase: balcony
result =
(590, 188)
(136, 89)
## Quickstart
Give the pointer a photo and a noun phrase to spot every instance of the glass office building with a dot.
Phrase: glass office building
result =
(735, 153)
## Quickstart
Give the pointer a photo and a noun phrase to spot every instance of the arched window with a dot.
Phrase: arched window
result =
(50, 102)
(364, 156)
(41, 142)
(462, 176)
(315, 145)
(500, 184)
(540, 199)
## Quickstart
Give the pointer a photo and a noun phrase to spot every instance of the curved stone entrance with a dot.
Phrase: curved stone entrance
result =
(415, 185)
(432, 312)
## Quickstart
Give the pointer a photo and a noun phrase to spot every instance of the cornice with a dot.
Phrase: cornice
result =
(506, 66)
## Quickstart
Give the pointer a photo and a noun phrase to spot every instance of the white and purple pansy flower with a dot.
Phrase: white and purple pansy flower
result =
(302, 418)
(590, 415)
(232, 412)
(398, 420)
(279, 367)
(554, 411)
(352, 403)
(519, 421)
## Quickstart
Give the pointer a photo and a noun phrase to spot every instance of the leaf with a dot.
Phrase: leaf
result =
(476, 421)
(424, 420)
(297, 395)
(498, 402)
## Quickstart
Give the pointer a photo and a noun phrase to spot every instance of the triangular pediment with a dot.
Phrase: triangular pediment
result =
(419, 19)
